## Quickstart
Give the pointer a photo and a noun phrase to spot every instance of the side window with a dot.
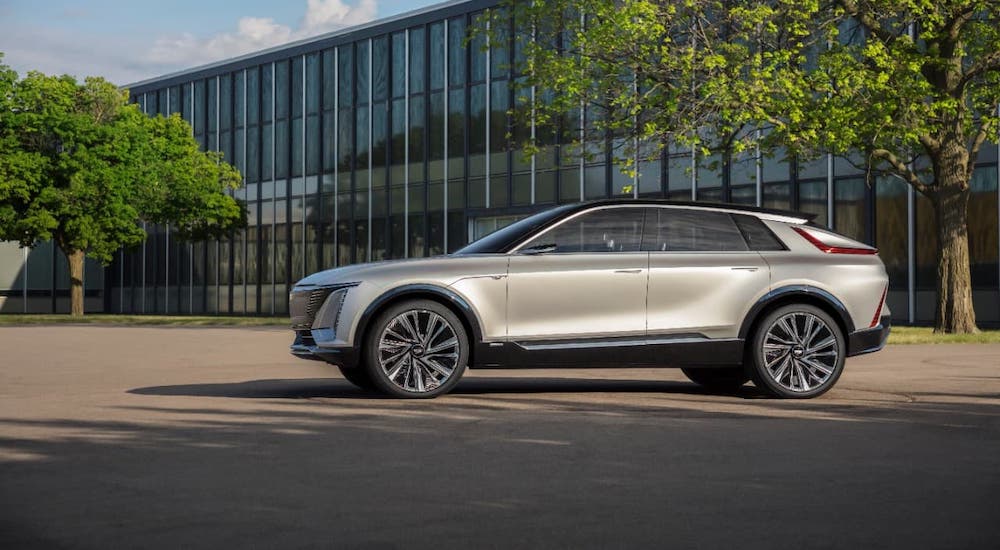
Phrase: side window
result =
(757, 234)
(681, 230)
(604, 230)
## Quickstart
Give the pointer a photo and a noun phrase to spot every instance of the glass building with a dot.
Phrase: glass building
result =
(392, 140)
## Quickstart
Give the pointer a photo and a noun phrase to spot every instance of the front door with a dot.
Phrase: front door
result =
(581, 283)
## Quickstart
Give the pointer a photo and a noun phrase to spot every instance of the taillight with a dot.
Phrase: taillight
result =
(878, 310)
(830, 248)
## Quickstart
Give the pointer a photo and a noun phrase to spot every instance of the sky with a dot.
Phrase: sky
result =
(126, 42)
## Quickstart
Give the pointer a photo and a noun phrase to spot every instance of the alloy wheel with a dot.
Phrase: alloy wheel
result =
(800, 352)
(418, 351)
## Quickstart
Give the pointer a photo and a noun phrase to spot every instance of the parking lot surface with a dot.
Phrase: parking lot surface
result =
(216, 438)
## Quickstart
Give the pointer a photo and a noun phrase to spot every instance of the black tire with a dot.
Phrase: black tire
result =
(725, 379)
(357, 376)
(767, 381)
(419, 365)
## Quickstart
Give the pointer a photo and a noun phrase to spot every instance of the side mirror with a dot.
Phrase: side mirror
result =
(538, 249)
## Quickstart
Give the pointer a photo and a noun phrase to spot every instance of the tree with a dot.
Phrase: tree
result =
(910, 87)
(83, 168)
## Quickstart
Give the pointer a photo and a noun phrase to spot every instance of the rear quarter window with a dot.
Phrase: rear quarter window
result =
(757, 235)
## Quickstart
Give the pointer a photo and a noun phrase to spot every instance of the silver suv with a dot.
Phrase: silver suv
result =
(728, 294)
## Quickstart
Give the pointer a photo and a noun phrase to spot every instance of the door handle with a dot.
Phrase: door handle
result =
(747, 268)
(628, 271)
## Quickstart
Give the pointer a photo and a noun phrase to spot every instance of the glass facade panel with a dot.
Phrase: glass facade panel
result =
(398, 64)
(418, 66)
(983, 230)
(345, 75)
(812, 199)
(456, 51)
(436, 55)
(849, 207)
(890, 228)
(380, 68)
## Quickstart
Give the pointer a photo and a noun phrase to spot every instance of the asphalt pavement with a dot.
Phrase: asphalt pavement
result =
(121, 437)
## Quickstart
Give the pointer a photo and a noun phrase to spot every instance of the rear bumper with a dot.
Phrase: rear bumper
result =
(304, 347)
(869, 340)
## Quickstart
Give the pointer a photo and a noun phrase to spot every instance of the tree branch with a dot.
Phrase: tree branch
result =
(977, 142)
(867, 20)
(902, 170)
(985, 64)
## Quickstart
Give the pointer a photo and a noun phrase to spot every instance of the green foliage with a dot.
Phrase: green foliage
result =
(705, 72)
(82, 167)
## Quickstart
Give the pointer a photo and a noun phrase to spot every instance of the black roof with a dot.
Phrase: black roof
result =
(709, 205)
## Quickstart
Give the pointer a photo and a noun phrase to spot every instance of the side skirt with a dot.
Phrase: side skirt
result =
(679, 351)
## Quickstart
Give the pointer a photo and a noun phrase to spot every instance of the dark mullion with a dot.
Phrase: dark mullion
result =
(426, 30)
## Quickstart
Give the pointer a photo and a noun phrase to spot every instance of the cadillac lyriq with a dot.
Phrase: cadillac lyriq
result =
(728, 294)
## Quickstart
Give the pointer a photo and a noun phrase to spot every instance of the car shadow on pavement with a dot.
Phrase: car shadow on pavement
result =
(341, 389)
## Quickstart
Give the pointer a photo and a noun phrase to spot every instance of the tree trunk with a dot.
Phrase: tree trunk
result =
(954, 281)
(75, 259)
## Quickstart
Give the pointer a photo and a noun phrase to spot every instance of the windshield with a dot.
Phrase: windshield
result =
(503, 240)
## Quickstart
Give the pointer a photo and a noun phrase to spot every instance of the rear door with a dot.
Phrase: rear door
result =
(703, 277)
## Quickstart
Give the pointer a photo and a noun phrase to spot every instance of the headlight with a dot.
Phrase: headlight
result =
(328, 315)
(308, 305)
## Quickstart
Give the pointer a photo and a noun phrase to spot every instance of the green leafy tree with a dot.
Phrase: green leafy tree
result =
(907, 88)
(83, 168)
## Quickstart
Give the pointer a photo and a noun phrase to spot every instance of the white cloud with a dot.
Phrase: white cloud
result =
(256, 33)
(129, 57)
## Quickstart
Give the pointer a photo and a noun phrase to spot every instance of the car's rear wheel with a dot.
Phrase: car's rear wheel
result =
(357, 376)
(726, 379)
(797, 352)
(416, 349)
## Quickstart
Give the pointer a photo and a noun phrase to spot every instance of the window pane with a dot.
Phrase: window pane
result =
(329, 79)
(499, 62)
(456, 51)
(605, 230)
(849, 208)
(380, 68)
(281, 149)
(398, 64)
(477, 130)
(416, 139)
(983, 228)
(477, 55)
(312, 83)
(499, 103)
(345, 73)
(456, 133)
(437, 55)
(417, 68)
(812, 199)
(678, 230)
(297, 86)
(266, 94)
(361, 72)
(282, 105)
(890, 228)
(239, 100)
(312, 144)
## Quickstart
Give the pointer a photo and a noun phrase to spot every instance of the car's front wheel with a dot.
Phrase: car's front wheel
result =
(416, 349)
(797, 352)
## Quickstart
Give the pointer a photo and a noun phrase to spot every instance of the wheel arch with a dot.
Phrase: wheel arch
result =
(796, 294)
(442, 295)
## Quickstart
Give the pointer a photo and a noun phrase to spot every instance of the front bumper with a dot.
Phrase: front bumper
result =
(304, 347)
(869, 340)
